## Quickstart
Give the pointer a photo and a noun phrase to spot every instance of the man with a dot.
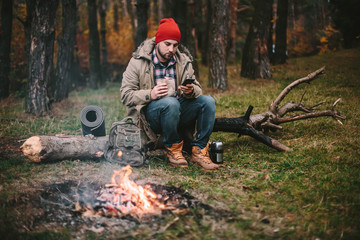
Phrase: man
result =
(147, 100)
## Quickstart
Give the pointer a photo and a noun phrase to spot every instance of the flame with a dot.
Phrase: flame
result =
(120, 153)
(126, 197)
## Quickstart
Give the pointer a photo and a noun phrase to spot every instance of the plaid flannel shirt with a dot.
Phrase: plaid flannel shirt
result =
(162, 71)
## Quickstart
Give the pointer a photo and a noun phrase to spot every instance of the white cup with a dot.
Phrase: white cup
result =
(170, 82)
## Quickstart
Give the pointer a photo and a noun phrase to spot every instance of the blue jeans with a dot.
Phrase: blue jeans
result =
(168, 115)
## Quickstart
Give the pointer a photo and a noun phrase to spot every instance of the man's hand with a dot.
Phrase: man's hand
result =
(159, 91)
(188, 89)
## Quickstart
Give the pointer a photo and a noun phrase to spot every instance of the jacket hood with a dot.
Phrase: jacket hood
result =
(146, 47)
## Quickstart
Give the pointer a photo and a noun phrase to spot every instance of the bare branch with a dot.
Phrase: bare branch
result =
(307, 79)
(335, 103)
(271, 126)
(327, 113)
(292, 107)
(302, 97)
(257, 120)
(318, 104)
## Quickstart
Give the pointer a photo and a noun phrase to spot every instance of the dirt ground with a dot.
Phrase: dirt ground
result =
(10, 147)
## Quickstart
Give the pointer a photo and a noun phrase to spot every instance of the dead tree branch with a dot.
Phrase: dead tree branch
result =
(282, 95)
(254, 125)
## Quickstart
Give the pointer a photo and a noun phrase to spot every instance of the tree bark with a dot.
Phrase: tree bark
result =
(5, 43)
(270, 42)
(52, 148)
(182, 12)
(218, 42)
(27, 29)
(347, 19)
(281, 29)
(94, 46)
(41, 55)
(233, 22)
(203, 19)
(255, 60)
(131, 11)
(241, 125)
(191, 34)
(160, 10)
(142, 7)
(116, 17)
(104, 54)
(125, 8)
(66, 50)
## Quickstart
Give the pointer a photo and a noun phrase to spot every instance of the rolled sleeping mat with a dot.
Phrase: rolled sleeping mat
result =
(92, 121)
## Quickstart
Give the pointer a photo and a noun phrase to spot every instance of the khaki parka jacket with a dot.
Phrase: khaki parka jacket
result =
(138, 80)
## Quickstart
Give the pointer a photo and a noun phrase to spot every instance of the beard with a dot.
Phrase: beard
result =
(165, 56)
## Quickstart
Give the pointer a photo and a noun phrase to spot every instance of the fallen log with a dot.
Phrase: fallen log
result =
(54, 148)
(240, 125)
(256, 126)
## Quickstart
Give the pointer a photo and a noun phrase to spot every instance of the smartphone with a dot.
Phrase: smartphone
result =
(188, 81)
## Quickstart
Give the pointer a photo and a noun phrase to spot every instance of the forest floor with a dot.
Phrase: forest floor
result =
(312, 192)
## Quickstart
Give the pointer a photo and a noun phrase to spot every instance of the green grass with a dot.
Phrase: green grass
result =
(311, 192)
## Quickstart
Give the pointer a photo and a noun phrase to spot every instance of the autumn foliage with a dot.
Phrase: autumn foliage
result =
(302, 42)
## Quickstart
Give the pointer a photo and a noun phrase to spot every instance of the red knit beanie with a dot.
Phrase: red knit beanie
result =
(168, 29)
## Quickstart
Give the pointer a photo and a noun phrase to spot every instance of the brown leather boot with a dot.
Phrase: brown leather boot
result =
(175, 155)
(201, 157)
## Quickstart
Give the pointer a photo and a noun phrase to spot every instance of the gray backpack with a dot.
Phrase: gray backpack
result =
(125, 144)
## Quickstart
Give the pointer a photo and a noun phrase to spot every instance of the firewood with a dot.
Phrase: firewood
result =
(54, 148)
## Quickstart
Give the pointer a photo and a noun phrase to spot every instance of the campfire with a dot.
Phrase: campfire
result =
(123, 197)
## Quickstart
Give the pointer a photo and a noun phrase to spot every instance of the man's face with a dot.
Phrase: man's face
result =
(166, 49)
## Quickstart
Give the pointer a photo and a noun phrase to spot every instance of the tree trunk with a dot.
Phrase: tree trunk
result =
(132, 14)
(347, 19)
(233, 21)
(182, 12)
(125, 8)
(142, 7)
(270, 42)
(218, 42)
(104, 62)
(94, 46)
(178, 11)
(160, 10)
(255, 61)
(116, 17)
(281, 28)
(41, 55)
(190, 34)
(66, 50)
(27, 29)
(203, 14)
(5, 40)
(155, 11)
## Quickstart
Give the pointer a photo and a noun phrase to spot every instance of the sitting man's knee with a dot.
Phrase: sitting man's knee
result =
(170, 103)
(208, 101)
